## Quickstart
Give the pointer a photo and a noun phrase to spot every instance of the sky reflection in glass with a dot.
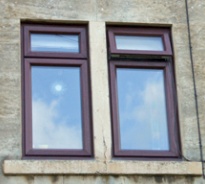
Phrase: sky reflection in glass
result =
(142, 109)
(147, 43)
(54, 43)
(56, 108)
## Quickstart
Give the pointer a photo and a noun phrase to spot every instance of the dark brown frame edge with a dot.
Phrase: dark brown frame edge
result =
(172, 116)
(87, 152)
(62, 29)
(28, 151)
(139, 31)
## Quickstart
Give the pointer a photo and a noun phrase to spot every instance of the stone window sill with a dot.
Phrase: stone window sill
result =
(47, 167)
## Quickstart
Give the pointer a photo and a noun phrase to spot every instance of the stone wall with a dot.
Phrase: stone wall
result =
(98, 13)
(197, 25)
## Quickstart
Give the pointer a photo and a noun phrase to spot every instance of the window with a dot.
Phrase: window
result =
(57, 112)
(143, 94)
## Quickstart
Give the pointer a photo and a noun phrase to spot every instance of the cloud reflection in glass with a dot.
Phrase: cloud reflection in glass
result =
(142, 109)
(56, 107)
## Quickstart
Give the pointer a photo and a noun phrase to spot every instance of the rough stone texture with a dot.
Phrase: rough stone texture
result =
(48, 9)
(185, 90)
(197, 25)
(147, 11)
(49, 179)
(93, 167)
(99, 76)
(97, 13)
(101, 180)
(16, 179)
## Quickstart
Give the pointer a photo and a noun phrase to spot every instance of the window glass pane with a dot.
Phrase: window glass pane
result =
(147, 43)
(142, 109)
(56, 108)
(54, 43)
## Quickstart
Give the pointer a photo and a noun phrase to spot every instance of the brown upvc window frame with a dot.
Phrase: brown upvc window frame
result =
(143, 60)
(51, 29)
(159, 32)
(80, 60)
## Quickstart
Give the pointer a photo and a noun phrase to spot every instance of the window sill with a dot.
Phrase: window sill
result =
(40, 167)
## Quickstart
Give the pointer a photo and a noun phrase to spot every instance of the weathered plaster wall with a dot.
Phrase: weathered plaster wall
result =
(197, 23)
(102, 180)
(97, 13)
